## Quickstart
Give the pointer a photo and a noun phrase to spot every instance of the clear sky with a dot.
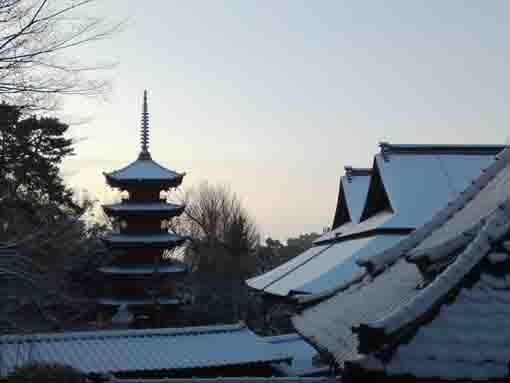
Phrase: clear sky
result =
(275, 97)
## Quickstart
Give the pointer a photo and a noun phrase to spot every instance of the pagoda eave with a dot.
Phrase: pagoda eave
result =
(149, 241)
(139, 302)
(162, 184)
(139, 210)
(148, 270)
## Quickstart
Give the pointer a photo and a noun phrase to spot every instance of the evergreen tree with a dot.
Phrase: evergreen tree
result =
(31, 150)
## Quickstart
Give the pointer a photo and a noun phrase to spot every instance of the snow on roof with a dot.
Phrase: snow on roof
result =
(328, 325)
(302, 355)
(350, 229)
(473, 227)
(351, 195)
(322, 267)
(433, 179)
(243, 379)
(431, 149)
(141, 350)
(355, 184)
(143, 170)
(262, 281)
(430, 179)
(417, 179)
(468, 339)
(335, 266)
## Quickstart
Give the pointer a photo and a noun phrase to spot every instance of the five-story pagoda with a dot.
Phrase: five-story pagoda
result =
(140, 276)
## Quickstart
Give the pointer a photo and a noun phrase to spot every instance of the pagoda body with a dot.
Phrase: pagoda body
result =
(140, 276)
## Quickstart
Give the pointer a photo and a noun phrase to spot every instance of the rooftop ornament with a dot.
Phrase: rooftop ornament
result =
(144, 131)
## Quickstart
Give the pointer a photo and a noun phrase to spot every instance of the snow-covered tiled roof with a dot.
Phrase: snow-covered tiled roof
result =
(430, 174)
(463, 246)
(469, 338)
(141, 350)
(328, 325)
(432, 180)
(143, 170)
(241, 379)
(335, 265)
(262, 281)
(350, 229)
(302, 355)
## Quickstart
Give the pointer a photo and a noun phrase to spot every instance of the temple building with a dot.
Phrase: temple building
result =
(377, 208)
(434, 307)
(139, 279)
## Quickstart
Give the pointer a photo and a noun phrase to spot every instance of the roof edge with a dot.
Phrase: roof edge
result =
(183, 331)
(386, 149)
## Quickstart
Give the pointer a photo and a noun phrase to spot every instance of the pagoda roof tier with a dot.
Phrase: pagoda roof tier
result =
(161, 240)
(144, 171)
(144, 269)
(138, 302)
(158, 209)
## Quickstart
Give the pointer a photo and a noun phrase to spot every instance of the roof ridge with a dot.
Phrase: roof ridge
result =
(387, 148)
(351, 171)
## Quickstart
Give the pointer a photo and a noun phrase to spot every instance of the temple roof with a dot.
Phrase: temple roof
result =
(376, 209)
(161, 349)
(434, 306)
(143, 171)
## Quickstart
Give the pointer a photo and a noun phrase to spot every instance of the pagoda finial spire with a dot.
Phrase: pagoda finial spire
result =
(144, 133)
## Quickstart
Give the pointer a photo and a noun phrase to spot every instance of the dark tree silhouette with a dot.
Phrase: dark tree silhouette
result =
(225, 237)
(35, 39)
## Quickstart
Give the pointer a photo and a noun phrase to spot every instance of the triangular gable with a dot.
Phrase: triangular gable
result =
(342, 212)
(377, 197)
(352, 195)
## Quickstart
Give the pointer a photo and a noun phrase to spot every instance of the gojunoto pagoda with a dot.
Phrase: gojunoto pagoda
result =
(139, 279)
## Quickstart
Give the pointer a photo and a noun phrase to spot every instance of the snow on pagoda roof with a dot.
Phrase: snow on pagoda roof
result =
(135, 208)
(143, 170)
(138, 302)
(140, 270)
(142, 240)
(450, 324)
(161, 349)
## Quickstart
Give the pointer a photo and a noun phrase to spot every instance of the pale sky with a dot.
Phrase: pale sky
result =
(275, 97)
